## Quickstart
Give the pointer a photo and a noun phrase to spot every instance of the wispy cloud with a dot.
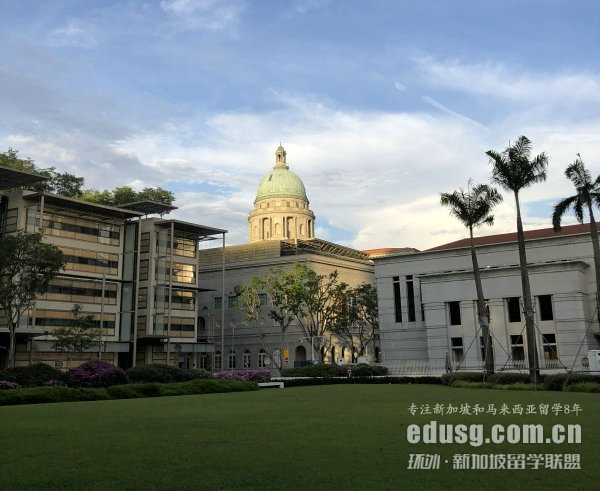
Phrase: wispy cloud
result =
(516, 83)
(212, 15)
(75, 33)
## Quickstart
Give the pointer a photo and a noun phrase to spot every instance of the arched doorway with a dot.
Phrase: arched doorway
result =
(299, 356)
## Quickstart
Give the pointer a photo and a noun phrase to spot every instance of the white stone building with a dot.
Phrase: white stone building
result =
(427, 302)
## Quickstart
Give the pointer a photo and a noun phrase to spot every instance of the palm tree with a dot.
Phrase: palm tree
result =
(588, 194)
(513, 170)
(473, 208)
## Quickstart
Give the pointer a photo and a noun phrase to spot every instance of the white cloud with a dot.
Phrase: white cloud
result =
(514, 83)
(75, 33)
(214, 15)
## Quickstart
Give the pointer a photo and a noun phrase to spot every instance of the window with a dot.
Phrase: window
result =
(549, 342)
(546, 313)
(262, 358)
(218, 303)
(397, 299)
(457, 349)
(246, 360)
(514, 309)
(410, 293)
(454, 311)
(203, 361)
(517, 351)
(232, 301)
(231, 360)
(217, 360)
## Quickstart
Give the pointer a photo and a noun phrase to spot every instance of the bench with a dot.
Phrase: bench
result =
(270, 385)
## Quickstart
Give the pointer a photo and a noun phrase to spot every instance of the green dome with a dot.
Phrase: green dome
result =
(281, 182)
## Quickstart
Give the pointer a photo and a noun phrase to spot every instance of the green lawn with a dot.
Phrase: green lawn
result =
(347, 437)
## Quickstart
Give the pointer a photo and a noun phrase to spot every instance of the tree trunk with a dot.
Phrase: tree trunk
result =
(482, 314)
(596, 248)
(12, 344)
(532, 355)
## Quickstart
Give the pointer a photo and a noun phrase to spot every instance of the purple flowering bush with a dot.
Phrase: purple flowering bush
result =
(95, 374)
(7, 385)
(246, 375)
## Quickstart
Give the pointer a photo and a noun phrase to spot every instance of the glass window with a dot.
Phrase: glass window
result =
(262, 358)
(516, 347)
(454, 311)
(546, 313)
(514, 309)
(457, 349)
(397, 299)
(550, 350)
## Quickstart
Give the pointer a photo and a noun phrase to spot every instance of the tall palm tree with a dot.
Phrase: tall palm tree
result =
(513, 170)
(473, 209)
(588, 195)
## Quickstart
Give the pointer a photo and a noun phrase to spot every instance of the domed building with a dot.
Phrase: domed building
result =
(281, 207)
(282, 234)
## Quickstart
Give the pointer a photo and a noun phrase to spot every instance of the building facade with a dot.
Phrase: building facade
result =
(427, 302)
(281, 235)
(137, 276)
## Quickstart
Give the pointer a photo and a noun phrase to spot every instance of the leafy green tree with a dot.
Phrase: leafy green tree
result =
(27, 265)
(78, 337)
(158, 195)
(123, 194)
(514, 170)
(473, 208)
(316, 302)
(264, 293)
(587, 195)
(11, 160)
(358, 323)
(103, 197)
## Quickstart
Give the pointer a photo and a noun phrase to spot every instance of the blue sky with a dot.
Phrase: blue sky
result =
(380, 105)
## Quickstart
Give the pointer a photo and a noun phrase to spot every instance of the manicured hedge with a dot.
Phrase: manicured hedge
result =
(164, 374)
(558, 381)
(478, 377)
(300, 382)
(33, 375)
(260, 375)
(328, 370)
(37, 395)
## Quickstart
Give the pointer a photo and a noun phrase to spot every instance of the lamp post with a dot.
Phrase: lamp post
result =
(232, 324)
(312, 346)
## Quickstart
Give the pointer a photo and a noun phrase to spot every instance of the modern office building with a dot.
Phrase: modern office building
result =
(137, 274)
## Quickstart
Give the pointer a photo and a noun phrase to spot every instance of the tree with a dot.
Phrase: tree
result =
(250, 302)
(315, 301)
(358, 323)
(513, 170)
(27, 265)
(78, 337)
(473, 208)
(588, 195)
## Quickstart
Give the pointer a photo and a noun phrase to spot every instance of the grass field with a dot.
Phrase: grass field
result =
(347, 437)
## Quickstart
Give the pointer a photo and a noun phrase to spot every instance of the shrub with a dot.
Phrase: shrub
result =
(206, 386)
(39, 395)
(246, 375)
(133, 391)
(583, 387)
(32, 375)
(558, 381)
(479, 377)
(96, 374)
(364, 370)
(197, 373)
(158, 373)
(6, 385)
(318, 370)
